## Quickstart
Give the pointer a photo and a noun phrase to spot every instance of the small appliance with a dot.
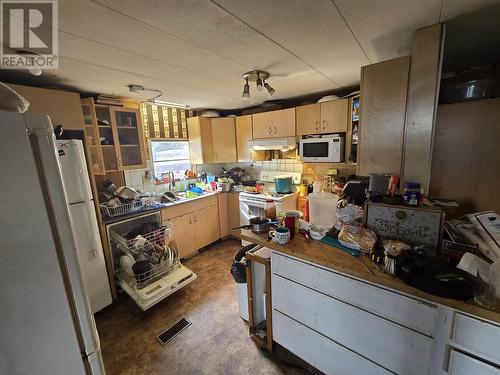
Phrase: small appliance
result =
(326, 149)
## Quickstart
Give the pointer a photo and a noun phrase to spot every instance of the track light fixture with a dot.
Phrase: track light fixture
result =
(269, 89)
(259, 77)
(246, 90)
(259, 82)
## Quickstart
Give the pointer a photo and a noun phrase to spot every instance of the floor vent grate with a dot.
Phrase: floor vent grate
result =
(166, 336)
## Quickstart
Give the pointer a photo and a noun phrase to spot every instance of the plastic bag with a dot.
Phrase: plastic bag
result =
(395, 248)
(357, 238)
(348, 214)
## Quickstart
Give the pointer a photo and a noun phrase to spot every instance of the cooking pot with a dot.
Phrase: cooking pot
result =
(258, 224)
(283, 184)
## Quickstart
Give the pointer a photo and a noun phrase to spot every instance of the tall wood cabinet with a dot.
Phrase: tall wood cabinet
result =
(323, 118)
(274, 124)
(382, 118)
(63, 107)
(114, 136)
(212, 140)
(243, 135)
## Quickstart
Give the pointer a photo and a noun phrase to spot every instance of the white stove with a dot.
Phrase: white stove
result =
(269, 204)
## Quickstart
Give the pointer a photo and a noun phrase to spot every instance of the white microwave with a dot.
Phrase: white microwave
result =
(328, 149)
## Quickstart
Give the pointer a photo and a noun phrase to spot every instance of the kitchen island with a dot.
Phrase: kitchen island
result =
(342, 315)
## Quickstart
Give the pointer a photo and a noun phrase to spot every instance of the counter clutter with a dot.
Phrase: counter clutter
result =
(327, 301)
(361, 268)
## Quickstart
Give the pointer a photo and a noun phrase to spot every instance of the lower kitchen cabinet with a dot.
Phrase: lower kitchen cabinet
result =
(223, 215)
(233, 213)
(184, 234)
(196, 224)
(205, 226)
(345, 325)
(462, 364)
(318, 350)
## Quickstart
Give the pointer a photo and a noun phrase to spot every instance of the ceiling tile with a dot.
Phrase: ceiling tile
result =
(384, 28)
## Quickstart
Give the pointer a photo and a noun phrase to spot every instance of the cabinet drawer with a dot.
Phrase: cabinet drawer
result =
(390, 345)
(462, 364)
(396, 307)
(319, 351)
(483, 339)
(188, 207)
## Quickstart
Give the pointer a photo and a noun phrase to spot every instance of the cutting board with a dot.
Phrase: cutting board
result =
(335, 243)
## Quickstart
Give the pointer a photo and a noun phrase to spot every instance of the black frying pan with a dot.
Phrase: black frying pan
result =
(258, 224)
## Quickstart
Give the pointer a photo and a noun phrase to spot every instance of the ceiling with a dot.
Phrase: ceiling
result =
(196, 51)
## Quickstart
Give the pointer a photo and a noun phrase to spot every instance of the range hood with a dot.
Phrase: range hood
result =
(281, 144)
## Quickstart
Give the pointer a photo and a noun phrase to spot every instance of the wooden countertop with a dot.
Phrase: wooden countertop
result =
(330, 257)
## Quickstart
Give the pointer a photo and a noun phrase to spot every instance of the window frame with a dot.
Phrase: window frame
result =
(151, 141)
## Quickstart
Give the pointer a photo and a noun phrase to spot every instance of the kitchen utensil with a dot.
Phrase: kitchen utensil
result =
(335, 243)
(127, 194)
(280, 235)
(109, 186)
(283, 184)
(196, 190)
(390, 263)
(322, 208)
(126, 264)
(317, 232)
(140, 269)
(366, 267)
(223, 186)
(467, 91)
(258, 224)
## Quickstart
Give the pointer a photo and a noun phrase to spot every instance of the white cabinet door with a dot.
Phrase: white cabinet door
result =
(319, 351)
(462, 364)
(478, 337)
(390, 345)
(396, 307)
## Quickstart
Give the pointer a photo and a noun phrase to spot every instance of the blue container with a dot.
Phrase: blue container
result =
(411, 194)
(283, 184)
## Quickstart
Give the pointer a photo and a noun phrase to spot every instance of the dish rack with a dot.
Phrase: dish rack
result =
(126, 208)
(151, 247)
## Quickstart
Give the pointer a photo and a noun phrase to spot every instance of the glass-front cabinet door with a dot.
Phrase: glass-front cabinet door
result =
(92, 141)
(129, 144)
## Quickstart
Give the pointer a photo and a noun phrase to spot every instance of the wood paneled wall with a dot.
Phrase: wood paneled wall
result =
(466, 155)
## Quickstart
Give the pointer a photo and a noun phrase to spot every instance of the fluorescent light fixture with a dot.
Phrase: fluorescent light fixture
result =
(170, 104)
(281, 144)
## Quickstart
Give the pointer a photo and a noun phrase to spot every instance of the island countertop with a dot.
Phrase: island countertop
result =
(361, 268)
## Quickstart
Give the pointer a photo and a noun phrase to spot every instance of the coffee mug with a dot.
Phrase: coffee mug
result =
(281, 235)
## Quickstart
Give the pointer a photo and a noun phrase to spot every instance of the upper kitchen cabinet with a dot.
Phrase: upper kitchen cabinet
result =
(308, 119)
(323, 118)
(224, 140)
(382, 117)
(334, 116)
(94, 149)
(115, 135)
(243, 135)
(212, 140)
(63, 107)
(129, 135)
(275, 124)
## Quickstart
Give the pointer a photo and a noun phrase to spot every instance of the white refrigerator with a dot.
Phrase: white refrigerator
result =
(46, 324)
(84, 222)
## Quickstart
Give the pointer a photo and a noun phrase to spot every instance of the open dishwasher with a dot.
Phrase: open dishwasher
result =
(146, 263)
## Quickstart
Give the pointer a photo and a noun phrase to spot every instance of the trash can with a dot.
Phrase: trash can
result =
(239, 273)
